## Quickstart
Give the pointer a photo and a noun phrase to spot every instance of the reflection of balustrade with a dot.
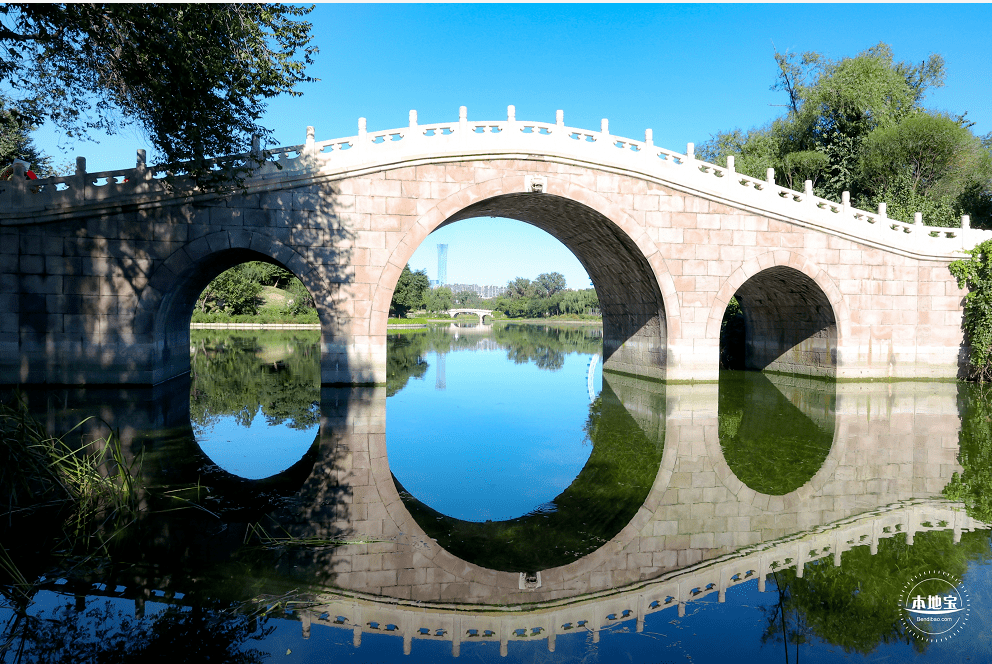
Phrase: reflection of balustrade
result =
(603, 610)
(489, 139)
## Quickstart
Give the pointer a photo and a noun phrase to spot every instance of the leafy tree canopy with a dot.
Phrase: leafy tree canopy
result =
(411, 288)
(858, 125)
(194, 77)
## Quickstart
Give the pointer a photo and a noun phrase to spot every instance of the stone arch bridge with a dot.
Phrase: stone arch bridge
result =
(481, 313)
(99, 271)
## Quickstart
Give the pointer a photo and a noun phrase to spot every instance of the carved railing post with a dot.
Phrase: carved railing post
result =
(80, 184)
(648, 137)
(19, 188)
(462, 124)
(310, 148)
(362, 134)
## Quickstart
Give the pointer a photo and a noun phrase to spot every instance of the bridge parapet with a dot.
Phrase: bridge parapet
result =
(429, 621)
(23, 201)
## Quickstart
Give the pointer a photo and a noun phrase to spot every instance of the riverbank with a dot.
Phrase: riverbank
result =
(415, 323)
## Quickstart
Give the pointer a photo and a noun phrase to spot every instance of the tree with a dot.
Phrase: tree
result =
(194, 77)
(236, 289)
(409, 292)
(438, 300)
(549, 283)
(858, 125)
(16, 143)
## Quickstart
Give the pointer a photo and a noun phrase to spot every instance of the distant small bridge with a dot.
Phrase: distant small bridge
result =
(481, 313)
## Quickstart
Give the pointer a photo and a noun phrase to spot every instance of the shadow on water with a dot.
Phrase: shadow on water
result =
(775, 431)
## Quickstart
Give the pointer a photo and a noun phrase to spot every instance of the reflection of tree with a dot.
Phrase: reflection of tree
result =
(546, 346)
(769, 444)
(240, 374)
(405, 359)
(857, 606)
(605, 496)
(973, 487)
(111, 636)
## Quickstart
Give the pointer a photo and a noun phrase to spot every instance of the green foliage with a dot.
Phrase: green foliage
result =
(16, 143)
(240, 374)
(438, 299)
(975, 274)
(193, 77)
(236, 294)
(857, 125)
(544, 297)
(973, 486)
(234, 290)
(856, 606)
(771, 445)
(409, 293)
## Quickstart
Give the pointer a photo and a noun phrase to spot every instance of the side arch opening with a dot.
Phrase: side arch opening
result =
(780, 320)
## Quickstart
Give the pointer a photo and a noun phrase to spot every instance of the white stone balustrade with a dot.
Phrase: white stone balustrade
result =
(42, 200)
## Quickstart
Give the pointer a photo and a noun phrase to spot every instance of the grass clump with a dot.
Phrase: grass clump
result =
(92, 484)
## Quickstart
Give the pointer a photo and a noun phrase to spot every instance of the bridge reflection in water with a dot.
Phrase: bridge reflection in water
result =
(710, 520)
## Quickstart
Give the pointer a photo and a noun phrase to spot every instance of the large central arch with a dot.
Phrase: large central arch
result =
(635, 335)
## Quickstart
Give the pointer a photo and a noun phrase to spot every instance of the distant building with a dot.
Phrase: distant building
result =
(442, 264)
(485, 292)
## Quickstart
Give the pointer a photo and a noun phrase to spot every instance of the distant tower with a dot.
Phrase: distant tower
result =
(442, 264)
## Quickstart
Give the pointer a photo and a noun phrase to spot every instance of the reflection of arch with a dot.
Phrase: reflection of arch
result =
(166, 304)
(747, 495)
(635, 288)
(600, 501)
(631, 389)
(796, 317)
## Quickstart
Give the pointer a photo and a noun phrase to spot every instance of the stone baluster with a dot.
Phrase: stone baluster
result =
(413, 119)
(770, 176)
(462, 123)
(362, 134)
(560, 118)
(690, 152)
(18, 189)
(808, 192)
(648, 137)
(511, 113)
(882, 211)
(845, 202)
(730, 170)
(604, 132)
(918, 218)
(310, 149)
(80, 183)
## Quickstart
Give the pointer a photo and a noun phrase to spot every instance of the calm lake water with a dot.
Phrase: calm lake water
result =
(503, 499)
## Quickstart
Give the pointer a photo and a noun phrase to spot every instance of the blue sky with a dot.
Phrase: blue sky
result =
(686, 71)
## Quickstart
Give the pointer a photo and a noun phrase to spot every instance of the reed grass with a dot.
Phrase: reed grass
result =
(92, 484)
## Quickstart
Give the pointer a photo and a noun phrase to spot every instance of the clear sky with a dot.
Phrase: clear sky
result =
(686, 71)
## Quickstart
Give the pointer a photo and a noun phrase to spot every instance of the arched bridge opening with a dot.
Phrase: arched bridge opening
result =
(789, 325)
(181, 293)
(634, 323)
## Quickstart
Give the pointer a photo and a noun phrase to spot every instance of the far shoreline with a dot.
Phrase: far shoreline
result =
(390, 326)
